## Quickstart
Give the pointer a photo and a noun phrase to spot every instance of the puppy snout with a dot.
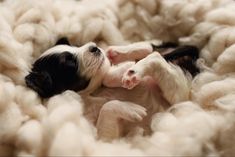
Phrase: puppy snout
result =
(95, 50)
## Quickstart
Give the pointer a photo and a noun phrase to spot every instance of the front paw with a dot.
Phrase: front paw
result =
(114, 55)
(130, 79)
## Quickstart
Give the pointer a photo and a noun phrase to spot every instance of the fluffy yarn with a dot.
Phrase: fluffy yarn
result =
(203, 126)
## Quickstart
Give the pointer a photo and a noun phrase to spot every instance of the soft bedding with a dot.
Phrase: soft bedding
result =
(202, 126)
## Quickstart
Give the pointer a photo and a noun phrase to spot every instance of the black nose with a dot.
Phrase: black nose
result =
(95, 50)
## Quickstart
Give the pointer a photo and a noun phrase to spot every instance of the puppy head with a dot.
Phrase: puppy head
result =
(64, 67)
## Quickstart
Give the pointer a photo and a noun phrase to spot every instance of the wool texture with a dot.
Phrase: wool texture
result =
(202, 126)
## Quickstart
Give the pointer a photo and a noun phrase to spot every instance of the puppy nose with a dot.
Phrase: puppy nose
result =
(94, 49)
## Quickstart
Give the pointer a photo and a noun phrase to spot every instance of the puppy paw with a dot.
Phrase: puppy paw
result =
(125, 110)
(134, 113)
(114, 55)
(130, 79)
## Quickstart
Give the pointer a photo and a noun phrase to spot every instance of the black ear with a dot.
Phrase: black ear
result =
(40, 82)
(68, 62)
(63, 41)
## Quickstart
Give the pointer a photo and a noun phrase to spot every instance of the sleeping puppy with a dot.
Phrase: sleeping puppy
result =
(82, 69)
(65, 67)
(139, 89)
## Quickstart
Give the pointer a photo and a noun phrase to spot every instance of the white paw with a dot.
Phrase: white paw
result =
(124, 110)
(131, 79)
(114, 55)
(133, 113)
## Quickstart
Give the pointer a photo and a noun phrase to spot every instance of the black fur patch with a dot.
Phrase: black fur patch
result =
(184, 56)
(164, 45)
(63, 41)
(52, 74)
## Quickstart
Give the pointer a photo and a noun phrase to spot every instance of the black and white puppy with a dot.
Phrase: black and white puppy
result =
(65, 67)
(84, 69)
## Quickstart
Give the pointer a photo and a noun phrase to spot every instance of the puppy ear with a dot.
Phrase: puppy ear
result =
(68, 62)
(40, 82)
(63, 41)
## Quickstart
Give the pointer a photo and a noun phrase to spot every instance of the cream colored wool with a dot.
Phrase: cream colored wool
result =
(202, 126)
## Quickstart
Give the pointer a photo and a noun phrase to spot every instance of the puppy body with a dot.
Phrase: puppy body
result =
(152, 83)
(148, 86)
(160, 84)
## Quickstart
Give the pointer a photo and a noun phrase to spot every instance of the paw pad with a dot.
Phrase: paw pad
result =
(130, 79)
(131, 72)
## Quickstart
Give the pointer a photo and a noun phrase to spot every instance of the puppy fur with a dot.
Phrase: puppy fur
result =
(195, 128)
(81, 69)
(63, 68)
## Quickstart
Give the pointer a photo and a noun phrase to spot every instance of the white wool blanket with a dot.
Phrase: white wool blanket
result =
(203, 126)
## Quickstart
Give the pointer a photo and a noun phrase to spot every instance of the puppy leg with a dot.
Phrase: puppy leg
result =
(170, 78)
(112, 113)
(113, 77)
(184, 56)
(132, 52)
(137, 51)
